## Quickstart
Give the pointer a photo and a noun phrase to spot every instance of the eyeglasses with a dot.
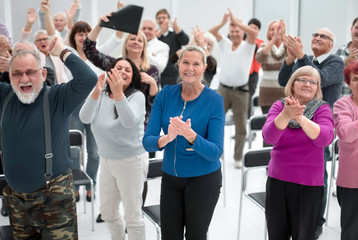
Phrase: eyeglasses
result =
(304, 81)
(30, 73)
(321, 35)
(41, 39)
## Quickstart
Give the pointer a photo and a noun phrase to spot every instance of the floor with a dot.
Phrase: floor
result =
(224, 224)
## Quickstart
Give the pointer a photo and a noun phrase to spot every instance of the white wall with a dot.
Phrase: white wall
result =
(335, 14)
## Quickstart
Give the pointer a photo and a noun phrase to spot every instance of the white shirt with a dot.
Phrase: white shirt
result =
(235, 65)
(158, 53)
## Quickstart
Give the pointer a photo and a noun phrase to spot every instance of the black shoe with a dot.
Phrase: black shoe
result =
(77, 197)
(3, 211)
(89, 199)
(318, 232)
(99, 219)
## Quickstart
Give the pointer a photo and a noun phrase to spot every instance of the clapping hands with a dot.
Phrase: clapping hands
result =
(292, 109)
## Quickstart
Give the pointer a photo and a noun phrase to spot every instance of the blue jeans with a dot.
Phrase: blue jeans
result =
(91, 146)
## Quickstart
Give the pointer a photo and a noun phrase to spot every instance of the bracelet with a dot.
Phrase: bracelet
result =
(120, 98)
(64, 51)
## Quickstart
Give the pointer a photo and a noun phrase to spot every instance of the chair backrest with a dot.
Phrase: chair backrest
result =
(155, 168)
(76, 138)
(154, 171)
(255, 100)
(256, 123)
(253, 159)
(77, 142)
(257, 157)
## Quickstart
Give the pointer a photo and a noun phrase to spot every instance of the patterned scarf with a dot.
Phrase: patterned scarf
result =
(310, 109)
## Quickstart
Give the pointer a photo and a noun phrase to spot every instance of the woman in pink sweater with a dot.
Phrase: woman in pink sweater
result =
(346, 122)
(298, 126)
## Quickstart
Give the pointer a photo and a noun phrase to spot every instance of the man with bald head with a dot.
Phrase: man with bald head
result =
(158, 51)
(330, 68)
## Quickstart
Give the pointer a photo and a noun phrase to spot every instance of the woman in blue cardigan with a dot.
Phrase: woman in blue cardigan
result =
(192, 118)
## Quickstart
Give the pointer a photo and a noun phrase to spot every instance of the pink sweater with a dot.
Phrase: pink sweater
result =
(345, 120)
(295, 157)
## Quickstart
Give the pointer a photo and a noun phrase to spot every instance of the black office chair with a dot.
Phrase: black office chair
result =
(256, 123)
(253, 159)
(80, 177)
(335, 156)
(153, 212)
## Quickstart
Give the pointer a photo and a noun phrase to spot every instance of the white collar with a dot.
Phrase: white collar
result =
(322, 57)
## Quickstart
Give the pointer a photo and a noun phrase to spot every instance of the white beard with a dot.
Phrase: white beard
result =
(26, 98)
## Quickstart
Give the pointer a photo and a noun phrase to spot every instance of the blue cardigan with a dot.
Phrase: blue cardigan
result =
(331, 71)
(207, 119)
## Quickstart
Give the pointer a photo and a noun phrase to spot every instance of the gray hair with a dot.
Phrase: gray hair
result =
(24, 53)
(41, 31)
(193, 48)
(151, 20)
(60, 13)
(26, 42)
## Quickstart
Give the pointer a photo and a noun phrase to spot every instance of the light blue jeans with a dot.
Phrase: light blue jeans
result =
(91, 146)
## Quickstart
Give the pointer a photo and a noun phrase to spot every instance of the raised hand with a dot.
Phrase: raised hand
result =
(225, 19)
(175, 25)
(283, 28)
(56, 46)
(294, 45)
(198, 36)
(120, 5)
(31, 16)
(45, 5)
(70, 13)
(5, 62)
(353, 55)
(115, 82)
(99, 86)
(105, 17)
(4, 44)
(145, 78)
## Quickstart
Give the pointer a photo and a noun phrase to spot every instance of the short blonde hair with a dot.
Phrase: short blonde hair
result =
(304, 71)
(145, 65)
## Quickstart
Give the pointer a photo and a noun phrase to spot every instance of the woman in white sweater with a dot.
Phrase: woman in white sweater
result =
(116, 112)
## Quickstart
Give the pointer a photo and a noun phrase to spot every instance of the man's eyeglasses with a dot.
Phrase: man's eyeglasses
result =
(41, 39)
(321, 35)
(30, 73)
(304, 81)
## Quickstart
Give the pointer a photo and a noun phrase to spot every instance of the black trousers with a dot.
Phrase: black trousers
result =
(348, 200)
(292, 210)
(189, 203)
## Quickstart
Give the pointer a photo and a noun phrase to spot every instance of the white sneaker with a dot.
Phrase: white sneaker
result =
(238, 164)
